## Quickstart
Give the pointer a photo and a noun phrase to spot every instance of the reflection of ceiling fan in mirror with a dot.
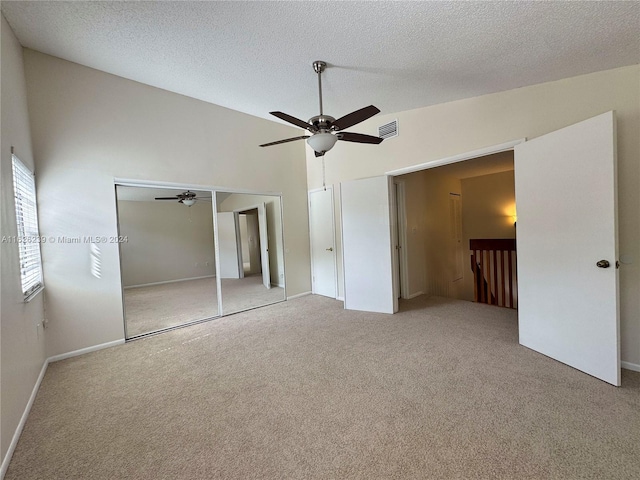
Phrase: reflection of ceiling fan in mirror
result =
(326, 130)
(188, 198)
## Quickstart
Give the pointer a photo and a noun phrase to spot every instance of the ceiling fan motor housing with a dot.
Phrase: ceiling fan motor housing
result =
(322, 122)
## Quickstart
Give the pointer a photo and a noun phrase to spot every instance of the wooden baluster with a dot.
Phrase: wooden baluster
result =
(495, 277)
(489, 283)
(482, 290)
(510, 281)
(502, 280)
(474, 265)
(515, 270)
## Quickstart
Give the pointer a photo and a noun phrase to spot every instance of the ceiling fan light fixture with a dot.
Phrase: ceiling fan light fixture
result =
(322, 142)
(189, 201)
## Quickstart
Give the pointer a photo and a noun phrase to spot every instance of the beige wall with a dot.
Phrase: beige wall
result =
(89, 127)
(165, 241)
(488, 209)
(440, 131)
(428, 233)
(416, 233)
(21, 333)
(439, 244)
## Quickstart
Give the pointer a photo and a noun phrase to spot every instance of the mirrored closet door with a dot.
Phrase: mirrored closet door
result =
(182, 264)
(251, 250)
(167, 257)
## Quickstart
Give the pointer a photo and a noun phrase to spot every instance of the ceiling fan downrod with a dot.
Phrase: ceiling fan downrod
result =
(319, 67)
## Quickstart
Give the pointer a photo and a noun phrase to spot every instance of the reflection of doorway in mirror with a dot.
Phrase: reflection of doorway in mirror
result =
(249, 229)
(249, 242)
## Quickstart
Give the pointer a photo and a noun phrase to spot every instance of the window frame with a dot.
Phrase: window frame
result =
(28, 233)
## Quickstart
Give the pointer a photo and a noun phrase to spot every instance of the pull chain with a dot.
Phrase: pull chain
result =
(323, 175)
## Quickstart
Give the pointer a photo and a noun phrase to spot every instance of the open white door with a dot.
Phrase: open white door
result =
(228, 245)
(323, 245)
(264, 245)
(368, 233)
(567, 223)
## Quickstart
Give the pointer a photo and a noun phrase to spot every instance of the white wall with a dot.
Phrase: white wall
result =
(21, 333)
(488, 209)
(165, 241)
(89, 127)
(440, 131)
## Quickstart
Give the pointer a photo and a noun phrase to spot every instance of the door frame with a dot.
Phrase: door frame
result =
(333, 238)
(461, 157)
(401, 242)
(263, 248)
(236, 216)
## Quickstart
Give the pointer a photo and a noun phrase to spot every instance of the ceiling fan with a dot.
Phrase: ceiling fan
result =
(188, 198)
(326, 130)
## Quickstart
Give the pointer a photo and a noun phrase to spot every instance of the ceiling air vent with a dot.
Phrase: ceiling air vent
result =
(388, 130)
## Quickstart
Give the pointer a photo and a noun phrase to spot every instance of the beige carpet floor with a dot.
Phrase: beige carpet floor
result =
(306, 390)
(248, 292)
(156, 307)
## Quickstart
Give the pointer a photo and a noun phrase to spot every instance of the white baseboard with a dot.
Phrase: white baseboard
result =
(82, 351)
(16, 436)
(340, 299)
(167, 281)
(279, 285)
(630, 366)
(303, 294)
(414, 295)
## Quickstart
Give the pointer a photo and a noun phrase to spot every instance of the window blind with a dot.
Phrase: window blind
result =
(24, 188)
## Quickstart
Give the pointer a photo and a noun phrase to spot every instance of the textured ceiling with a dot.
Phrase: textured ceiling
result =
(256, 57)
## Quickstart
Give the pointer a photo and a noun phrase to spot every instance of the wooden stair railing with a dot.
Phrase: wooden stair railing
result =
(493, 262)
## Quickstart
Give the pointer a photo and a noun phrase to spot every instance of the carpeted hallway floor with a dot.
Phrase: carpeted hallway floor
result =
(305, 389)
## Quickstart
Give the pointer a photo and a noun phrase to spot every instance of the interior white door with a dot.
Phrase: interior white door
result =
(368, 245)
(264, 244)
(567, 222)
(227, 245)
(323, 245)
